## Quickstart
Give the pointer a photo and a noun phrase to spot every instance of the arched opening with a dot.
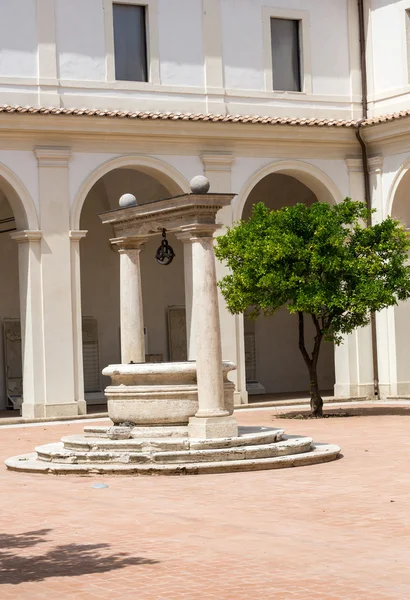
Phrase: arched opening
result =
(162, 287)
(273, 362)
(11, 367)
(400, 210)
(16, 212)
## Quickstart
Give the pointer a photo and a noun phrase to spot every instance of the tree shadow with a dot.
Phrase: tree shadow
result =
(66, 560)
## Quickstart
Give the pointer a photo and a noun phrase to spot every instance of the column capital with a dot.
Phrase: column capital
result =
(375, 164)
(217, 161)
(354, 165)
(128, 243)
(192, 232)
(52, 156)
(77, 235)
(26, 235)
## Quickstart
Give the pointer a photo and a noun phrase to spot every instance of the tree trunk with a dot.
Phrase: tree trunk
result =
(316, 401)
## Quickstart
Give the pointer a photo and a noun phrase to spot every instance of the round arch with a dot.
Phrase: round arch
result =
(161, 171)
(20, 200)
(316, 180)
(398, 178)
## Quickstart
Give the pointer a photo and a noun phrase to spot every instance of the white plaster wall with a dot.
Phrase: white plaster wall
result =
(81, 53)
(188, 166)
(387, 58)
(183, 50)
(389, 44)
(243, 54)
(181, 42)
(82, 165)
(9, 296)
(18, 35)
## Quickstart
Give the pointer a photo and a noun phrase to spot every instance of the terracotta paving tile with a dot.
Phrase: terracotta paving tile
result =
(337, 531)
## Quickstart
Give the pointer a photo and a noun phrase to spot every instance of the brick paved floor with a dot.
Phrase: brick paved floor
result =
(330, 532)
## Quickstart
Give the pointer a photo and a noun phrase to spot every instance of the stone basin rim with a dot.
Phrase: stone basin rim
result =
(166, 368)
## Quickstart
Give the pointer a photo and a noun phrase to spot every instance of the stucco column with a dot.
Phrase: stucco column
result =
(132, 312)
(56, 284)
(212, 418)
(217, 169)
(29, 252)
(76, 237)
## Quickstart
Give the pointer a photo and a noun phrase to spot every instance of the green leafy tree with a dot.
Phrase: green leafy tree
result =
(320, 262)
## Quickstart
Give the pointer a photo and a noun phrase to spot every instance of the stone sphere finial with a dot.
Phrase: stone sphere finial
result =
(199, 185)
(127, 200)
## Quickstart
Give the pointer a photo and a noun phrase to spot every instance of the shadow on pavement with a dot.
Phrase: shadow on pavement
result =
(61, 561)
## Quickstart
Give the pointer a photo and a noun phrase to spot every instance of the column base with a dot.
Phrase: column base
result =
(346, 390)
(82, 407)
(212, 427)
(45, 411)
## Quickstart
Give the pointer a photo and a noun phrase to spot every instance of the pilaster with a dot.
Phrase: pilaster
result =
(354, 54)
(31, 318)
(59, 318)
(375, 173)
(214, 76)
(354, 358)
(76, 237)
(356, 181)
(47, 54)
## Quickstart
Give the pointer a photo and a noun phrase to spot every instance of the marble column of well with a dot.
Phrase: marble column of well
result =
(212, 419)
(132, 312)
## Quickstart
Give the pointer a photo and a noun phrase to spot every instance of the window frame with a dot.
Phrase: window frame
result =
(151, 29)
(303, 16)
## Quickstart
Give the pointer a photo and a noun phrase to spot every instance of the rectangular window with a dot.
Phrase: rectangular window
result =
(130, 42)
(285, 45)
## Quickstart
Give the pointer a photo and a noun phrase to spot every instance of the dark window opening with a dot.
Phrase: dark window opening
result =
(130, 42)
(285, 43)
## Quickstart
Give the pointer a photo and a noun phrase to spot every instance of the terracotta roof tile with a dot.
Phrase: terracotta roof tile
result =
(171, 116)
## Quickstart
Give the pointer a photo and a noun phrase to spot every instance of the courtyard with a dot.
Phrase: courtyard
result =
(329, 531)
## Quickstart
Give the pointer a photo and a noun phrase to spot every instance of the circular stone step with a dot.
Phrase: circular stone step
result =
(248, 436)
(57, 453)
(319, 453)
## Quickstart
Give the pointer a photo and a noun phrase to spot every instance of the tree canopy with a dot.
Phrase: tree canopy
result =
(320, 260)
